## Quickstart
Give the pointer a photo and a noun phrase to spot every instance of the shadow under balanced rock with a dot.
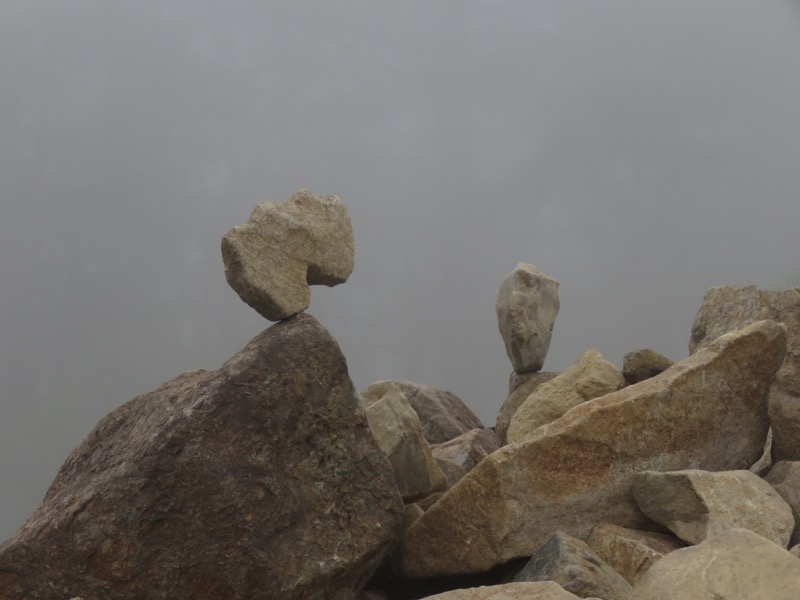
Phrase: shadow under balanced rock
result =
(260, 480)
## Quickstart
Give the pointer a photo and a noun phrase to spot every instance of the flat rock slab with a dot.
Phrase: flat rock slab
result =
(259, 480)
(283, 248)
(708, 411)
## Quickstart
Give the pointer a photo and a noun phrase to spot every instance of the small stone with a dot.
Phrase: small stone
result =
(283, 248)
(468, 449)
(643, 364)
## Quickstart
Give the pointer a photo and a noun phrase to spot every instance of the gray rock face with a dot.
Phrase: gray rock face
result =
(576, 567)
(283, 248)
(397, 430)
(527, 306)
(643, 364)
(784, 477)
(707, 411)
(259, 480)
(734, 565)
(728, 308)
(695, 504)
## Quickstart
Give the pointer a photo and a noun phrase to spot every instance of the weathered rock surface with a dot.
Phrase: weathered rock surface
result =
(643, 364)
(468, 449)
(590, 377)
(784, 477)
(708, 411)
(576, 567)
(730, 307)
(442, 415)
(695, 504)
(283, 248)
(527, 306)
(509, 591)
(521, 385)
(733, 565)
(397, 430)
(631, 552)
(259, 480)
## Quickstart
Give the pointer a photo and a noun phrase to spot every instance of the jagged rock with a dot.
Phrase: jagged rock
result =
(643, 364)
(707, 411)
(527, 306)
(631, 552)
(694, 504)
(576, 567)
(729, 307)
(283, 248)
(258, 480)
(397, 430)
(734, 565)
(590, 377)
(784, 477)
(547, 590)
(521, 385)
(468, 449)
(442, 414)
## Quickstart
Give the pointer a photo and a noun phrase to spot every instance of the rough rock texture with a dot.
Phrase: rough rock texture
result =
(695, 504)
(509, 591)
(729, 307)
(259, 480)
(630, 552)
(527, 306)
(520, 387)
(468, 449)
(784, 477)
(397, 430)
(643, 364)
(590, 377)
(708, 411)
(283, 248)
(576, 567)
(442, 414)
(734, 565)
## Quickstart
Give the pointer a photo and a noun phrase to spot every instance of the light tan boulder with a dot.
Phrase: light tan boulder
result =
(784, 477)
(468, 449)
(734, 565)
(643, 364)
(730, 307)
(527, 306)
(590, 377)
(396, 428)
(547, 590)
(521, 385)
(283, 248)
(631, 552)
(694, 504)
(576, 567)
(708, 411)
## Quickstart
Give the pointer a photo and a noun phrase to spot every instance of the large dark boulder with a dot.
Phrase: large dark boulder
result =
(259, 480)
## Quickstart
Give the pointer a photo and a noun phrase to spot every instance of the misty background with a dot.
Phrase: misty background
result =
(638, 152)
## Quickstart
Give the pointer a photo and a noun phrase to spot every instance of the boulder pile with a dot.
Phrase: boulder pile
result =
(271, 478)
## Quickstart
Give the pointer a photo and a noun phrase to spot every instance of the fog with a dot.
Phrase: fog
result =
(638, 152)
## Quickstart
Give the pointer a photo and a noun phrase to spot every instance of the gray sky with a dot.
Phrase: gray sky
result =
(639, 152)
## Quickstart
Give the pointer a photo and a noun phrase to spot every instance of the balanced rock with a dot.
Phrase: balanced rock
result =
(730, 307)
(259, 480)
(397, 430)
(521, 385)
(694, 504)
(527, 306)
(283, 248)
(547, 590)
(468, 449)
(707, 411)
(734, 565)
(643, 364)
(590, 377)
(442, 415)
(631, 552)
(576, 567)
(784, 477)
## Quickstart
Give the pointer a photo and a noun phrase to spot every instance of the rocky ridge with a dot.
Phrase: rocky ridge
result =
(272, 478)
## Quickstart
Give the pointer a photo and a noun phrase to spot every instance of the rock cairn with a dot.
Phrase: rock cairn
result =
(270, 478)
